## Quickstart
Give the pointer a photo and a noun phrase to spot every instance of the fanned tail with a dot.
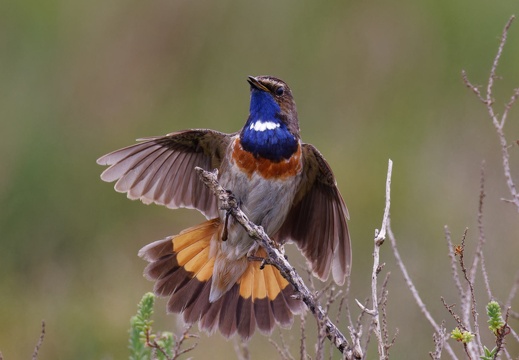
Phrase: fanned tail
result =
(182, 268)
(265, 299)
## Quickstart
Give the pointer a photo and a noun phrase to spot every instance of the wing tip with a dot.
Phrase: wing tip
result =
(101, 160)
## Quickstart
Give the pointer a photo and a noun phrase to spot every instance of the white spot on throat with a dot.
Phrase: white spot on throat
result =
(260, 125)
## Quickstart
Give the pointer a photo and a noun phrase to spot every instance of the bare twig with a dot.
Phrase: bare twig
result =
(379, 240)
(513, 291)
(509, 105)
(499, 123)
(321, 336)
(500, 336)
(439, 341)
(455, 316)
(355, 335)
(179, 341)
(344, 301)
(454, 265)
(155, 346)
(383, 309)
(482, 239)
(276, 258)
(381, 236)
(241, 348)
(467, 310)
(492, 76)
(283, 349)
(303, 354)
(514, 334)
(359, 325)
(330, 295)
(40, 341)
(414, 291)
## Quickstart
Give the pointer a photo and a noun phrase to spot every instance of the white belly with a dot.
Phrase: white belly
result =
(266, 202)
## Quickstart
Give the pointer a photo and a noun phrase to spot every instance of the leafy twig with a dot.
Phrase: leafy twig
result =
(144, 344)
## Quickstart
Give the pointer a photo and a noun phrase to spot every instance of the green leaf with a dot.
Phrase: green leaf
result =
(489, 354)
(495, 320)
(140, 324)
(462, 336)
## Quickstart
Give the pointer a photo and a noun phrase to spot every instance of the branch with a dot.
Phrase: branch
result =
(241, 348)
(414, 291)
(277, 259)
(499, 123)
(380, 236)
(179, 341)
(490, 84)
(479, 256)
(454, 266)
(513, 291)
(469, 307)
(40, 342)
(439, 340)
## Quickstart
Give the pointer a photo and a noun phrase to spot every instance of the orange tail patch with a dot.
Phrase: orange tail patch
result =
(265, 298)
(182, 267)
(175, 260)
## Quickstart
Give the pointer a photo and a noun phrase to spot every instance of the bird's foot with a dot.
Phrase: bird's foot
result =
(228, 212)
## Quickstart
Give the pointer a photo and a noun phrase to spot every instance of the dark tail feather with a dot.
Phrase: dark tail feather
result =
(182, 268)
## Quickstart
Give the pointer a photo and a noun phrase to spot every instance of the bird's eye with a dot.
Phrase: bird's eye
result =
(280, 91)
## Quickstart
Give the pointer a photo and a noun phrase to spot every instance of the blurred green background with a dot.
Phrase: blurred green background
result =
(372, 80)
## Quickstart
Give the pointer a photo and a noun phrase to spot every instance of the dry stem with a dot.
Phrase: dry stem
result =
(482, 239)
(40, 341)
(499, 123)
(379, 240)
(469, 305)
(414, 291)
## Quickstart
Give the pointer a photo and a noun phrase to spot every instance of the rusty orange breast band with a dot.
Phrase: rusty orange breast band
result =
(268, 169)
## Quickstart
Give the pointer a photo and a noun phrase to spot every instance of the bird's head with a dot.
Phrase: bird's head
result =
(271, 100)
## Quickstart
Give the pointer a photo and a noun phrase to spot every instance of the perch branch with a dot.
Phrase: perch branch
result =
(277, 259)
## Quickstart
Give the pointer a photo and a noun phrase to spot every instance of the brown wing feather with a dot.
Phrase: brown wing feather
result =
(160, 170)
(317, 220)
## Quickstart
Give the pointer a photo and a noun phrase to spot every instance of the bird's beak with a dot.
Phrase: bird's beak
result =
(254, 83)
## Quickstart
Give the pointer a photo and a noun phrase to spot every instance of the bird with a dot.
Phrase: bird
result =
(279, 182)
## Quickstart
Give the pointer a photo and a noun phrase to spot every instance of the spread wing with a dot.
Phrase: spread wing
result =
(160, 170)
(317, 220)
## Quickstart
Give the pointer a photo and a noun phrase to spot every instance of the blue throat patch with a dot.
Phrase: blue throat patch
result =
(264, 134)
